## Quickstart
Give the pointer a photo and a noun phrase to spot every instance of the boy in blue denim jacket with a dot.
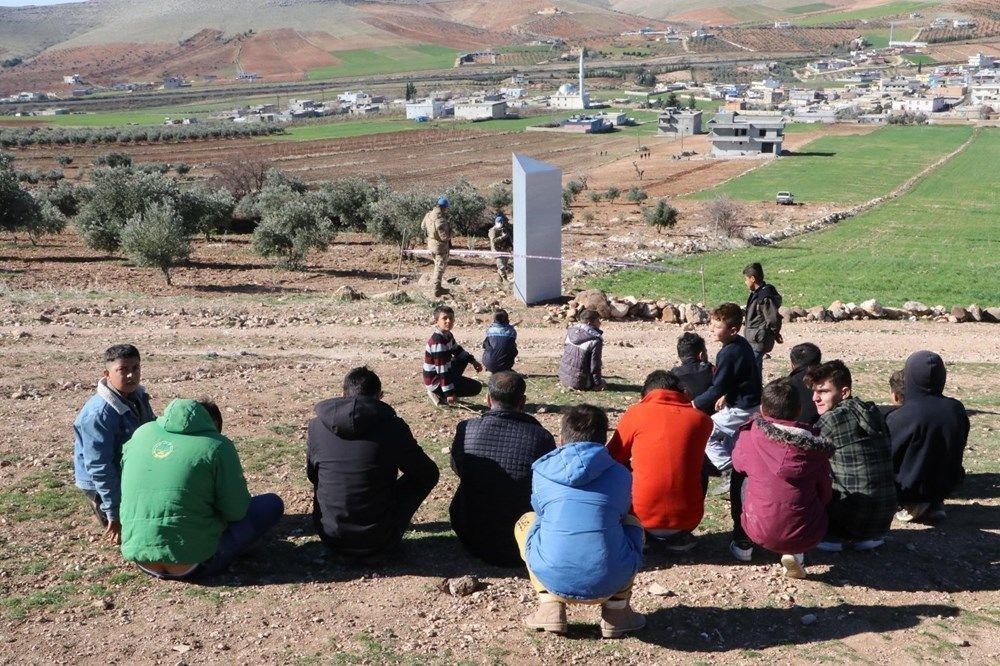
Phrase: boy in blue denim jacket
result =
(101, 429)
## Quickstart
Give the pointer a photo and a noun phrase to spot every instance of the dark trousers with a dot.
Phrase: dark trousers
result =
(95, 504)
(465, 387)
(759, 358)
(736, 504)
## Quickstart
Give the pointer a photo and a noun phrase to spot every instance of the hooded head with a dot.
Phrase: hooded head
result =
(925, 374)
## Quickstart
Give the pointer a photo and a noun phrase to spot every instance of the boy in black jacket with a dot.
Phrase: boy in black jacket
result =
(763, 321)
(500, 345)
(695, 372)
(357, 447)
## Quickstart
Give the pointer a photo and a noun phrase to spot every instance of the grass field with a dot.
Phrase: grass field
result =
(386, 60)
(938, 244)
(881, 11)
(879, 39)
(920, 59)
(353, 128)
(847, 169)
(807, 9)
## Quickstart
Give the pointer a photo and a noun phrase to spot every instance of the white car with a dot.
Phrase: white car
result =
(784, 198)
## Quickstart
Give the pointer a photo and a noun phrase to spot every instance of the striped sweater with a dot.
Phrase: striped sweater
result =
(440, 351)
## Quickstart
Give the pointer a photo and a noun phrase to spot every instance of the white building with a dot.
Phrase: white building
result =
(920, 104)
(354, 98)
(481, 111)
(428, 108)
(987, 94)
(738, 135)
(72, 79)
(570, 96)
(981, 61)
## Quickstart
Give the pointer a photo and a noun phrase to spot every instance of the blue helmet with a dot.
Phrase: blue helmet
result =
(500, 219)
(443, 202)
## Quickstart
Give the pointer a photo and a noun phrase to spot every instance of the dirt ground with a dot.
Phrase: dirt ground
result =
(269, 344)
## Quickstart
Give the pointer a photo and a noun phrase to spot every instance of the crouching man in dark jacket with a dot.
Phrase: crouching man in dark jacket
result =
(357, 447)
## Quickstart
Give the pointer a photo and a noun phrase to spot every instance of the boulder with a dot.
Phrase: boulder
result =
(797, 313)
(785, 312)
(818, 313)
(695, 314)
(960, 315)
(938, 311)
(873, 308)
(349, 293)
(916, 308)
(838, 311)
(669, 314)
(618, 310)
(896, 313)
(595, 299)
(463, 586)
(991, 315)
(975, 312)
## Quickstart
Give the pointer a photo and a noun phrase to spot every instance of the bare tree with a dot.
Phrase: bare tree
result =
(241, 175)
(724, 215)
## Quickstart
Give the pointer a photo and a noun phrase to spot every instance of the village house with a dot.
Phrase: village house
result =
(486, 110)
(740, 135)
(428, 109)
(679, 122)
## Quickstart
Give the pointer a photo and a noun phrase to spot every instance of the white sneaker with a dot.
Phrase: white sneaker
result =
(867, 544)
(912, 512)
(742, 554)
(831, 546)
(793, 565)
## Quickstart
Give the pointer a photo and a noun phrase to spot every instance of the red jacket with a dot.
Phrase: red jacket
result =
(662, 440)
(788, 484)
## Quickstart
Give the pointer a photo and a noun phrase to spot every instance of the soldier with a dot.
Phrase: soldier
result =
(502, 240)
(438, 230)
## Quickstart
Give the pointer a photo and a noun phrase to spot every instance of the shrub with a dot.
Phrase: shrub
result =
(116, 196)
(636, 194)
(113, 160)
(64, 197)
(466, 210)
(18, 209)
(567, 217)
(723, 214)
(612, 193)
(156, 238)
(662, 216)
(64, 160)
(499, 197)
(348, 202)
(396, 217)
(205, 211)
(182, 168)
(595, 196)
(50, 220)
(290, 232)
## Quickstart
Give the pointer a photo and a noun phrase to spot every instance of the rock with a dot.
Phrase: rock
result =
(895, 313)
(785, 312)
(349, 293)
(917, 308)
(618, 310)
(695, 314)
(650, 311)
(975, 312)
(670, 314)
(658, 590)
(960, 314)
(808, 619)
(872, 308)
(958, 641)
(991, 315)
(817, 313)
(463, 586)
(595, 299)
(839, 311)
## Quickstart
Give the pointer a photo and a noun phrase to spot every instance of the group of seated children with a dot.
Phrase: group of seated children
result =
(810, 465)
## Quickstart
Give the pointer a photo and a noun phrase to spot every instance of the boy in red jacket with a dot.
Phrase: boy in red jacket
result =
(788, 481)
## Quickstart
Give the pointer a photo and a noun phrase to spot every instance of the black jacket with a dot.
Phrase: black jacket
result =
(762, 318)
(808, 413)
(492, 456)
(500, 347)
(736, 377)
(695, 376)
(928, 433)
(356, 448)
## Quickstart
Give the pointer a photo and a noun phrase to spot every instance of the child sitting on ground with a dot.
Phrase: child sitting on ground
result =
(500, 345)
(897, 387)
(445, 362)
(788, 479)
(695, 371)
(101, 429)
(581, 544)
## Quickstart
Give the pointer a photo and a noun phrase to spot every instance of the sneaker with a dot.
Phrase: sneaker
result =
(618, 619)
(681, 542)
(550, 616)
(831, 546)
(867, 544)
(741, 549)
(793, 565)
(912, 512)
(434, 398)
(722, 487)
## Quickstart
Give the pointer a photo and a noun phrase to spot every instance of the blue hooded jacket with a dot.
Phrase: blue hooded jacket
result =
(579, 547)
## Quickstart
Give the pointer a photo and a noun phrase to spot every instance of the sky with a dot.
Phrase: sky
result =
(21, 3)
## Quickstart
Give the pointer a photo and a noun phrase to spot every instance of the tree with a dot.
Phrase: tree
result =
(411, 91)
(466, 208)
(499, 197)
(64, 160)
(636, 194)
(50, 220)
(290, 232)
(242, 175)
(691, 102)
(156, 238)
(646, 78)
(723, 214)
(595, 196)
(662, 216)
(205, 211)
(64, 197)
(113, 160)
(117, 195)
(396, 217)
(348, 202)
(672, 100)
(18, 209)
(612, 193)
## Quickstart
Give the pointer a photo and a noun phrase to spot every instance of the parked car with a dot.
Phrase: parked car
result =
(784, 198)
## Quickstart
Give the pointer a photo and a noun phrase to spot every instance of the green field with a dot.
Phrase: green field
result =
(351, 128)
(878, 39)
(881, 11)
(938, 243)
(920, 59)
(807, 9)
(386, 60)
(847, 169)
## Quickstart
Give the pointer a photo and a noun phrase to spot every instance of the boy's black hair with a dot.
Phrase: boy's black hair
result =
(690, 345)
(834, 370)
(780, 400)
(115, 352)
(584, 423)
(897, 382)
(362, 381)
(589, 317)
(805, 354)
(213, 411)
(729, 313)
(661, 379)
(507, 389)
(754, 270)
(501, 317)
(443, 309)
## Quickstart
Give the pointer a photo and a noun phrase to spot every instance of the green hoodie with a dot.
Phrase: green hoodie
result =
(182, 482)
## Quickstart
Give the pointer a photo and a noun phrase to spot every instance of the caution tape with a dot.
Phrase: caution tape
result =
(489, 254)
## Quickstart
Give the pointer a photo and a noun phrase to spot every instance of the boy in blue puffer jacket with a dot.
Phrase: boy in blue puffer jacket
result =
(500, 345)
(580, 543)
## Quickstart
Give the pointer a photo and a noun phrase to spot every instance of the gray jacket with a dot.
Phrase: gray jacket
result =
(580, 367)
(763, 320)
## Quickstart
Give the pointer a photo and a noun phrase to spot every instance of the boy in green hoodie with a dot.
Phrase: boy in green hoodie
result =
(185, 508)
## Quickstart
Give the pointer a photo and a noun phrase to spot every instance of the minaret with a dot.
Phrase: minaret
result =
(583, 99)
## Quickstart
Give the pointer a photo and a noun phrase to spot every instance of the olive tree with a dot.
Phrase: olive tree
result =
(156, 237)
(291, 231)
(662, 216)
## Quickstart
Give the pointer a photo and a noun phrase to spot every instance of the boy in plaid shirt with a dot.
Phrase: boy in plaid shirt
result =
(445, 362)
(864, 494)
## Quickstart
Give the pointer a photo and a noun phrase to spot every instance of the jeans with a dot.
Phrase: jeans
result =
(465, 387)
(725, 423)
(94, 500)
